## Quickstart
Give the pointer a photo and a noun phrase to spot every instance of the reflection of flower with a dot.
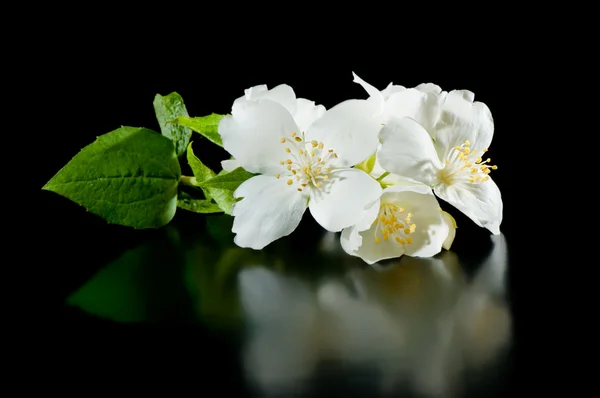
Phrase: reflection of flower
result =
(298, 169)
(419, 320)
(408, 221)
(439, 139)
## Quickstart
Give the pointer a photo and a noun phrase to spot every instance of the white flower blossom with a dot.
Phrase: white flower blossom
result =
(298, 168)
(406, 220)
(439, 139)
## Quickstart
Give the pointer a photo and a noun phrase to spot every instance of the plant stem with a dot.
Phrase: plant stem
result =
(381, 177)
(191, 181)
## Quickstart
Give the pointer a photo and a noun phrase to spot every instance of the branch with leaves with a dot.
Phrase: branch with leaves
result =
(372, 169)
(132, 176)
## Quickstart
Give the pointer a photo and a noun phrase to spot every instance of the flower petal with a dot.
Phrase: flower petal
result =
(460, 120)
(374, 94)
(348, 198)
(407, 150)
(451, 223)
(282, 94)
(427, 239)
(351, 239)
(230, 164)
(431, 229)
(369, 251)
(306, 113)
(422, 106)
(269, 210)
(253, 132)
(481, 202)
(391, 89)
(350, 128)
(429, 88)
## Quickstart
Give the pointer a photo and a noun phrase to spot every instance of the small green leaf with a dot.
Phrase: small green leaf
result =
(128, 176)
(223, 197)
(208, 126)
(186, 202)
(227, 180)
(201, 172)
(368, 164)
(168, 108)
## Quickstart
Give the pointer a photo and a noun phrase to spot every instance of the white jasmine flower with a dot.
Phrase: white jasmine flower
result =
(439, 139)
(299, 168)
(407, 220)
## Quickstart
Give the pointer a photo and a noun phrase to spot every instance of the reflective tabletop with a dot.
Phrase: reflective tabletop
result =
(300, 318)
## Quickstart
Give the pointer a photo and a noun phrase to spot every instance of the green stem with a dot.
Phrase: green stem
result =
(381, 177)
(191, 181)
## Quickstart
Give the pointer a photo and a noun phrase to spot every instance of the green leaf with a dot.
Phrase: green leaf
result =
(186, 202)
(227, 180)
(208, 126)
(224, 198)
(168, 108)
(201, 172)
(128, 176)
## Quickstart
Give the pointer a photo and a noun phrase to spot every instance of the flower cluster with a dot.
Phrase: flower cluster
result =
(372, 169)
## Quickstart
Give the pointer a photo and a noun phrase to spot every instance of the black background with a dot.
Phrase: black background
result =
(93, 89)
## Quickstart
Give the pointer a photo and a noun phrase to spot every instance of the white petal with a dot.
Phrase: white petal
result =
(422, 106)
(374, 93)
(467, 95)
(347, 199)
(451, 223)
(230, 164)
(270, 210)
(432, 230)
(350, 128)
(427, 239)
(306, 113)
(481, 202)
(350, 238)
(391, 89)
(253, 132)
(429, 88)
(390, 179)
(282, 94)
(461, 120)
(253, 92)
(369, 251)
(407, 150)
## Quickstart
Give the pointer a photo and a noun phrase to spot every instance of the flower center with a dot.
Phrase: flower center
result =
(392, 222)
(464, 164)
(308, 164)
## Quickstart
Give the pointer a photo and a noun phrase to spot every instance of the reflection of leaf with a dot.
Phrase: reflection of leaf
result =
(211, 280)
(143, 284)
(121, 301)
(219, 228)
